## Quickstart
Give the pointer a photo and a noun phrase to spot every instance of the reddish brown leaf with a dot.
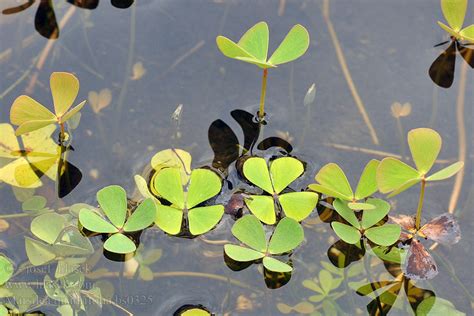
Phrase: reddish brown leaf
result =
(419, 264)
(443, 229)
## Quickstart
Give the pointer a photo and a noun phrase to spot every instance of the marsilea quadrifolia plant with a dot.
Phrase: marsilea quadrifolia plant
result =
(253, 48)
(454, 12)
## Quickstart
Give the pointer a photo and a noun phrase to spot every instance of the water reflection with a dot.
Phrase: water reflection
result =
(442, 69)
(45, 17)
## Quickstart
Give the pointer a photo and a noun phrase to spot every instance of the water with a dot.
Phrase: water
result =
(388, 47)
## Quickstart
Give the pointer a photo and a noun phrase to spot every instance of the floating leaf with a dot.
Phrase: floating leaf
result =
(284, 171)
(262, 206)
(113, 201)
(298, 205)
(443, 229)
(249, 230)
(275, 265)
(419, 264)
(176, 158)
(347, 233)
(203, 219)
(287, 236)
(94, 222)
(385, 235)
(6, 269)
(143, 216)
(372, 217)
(119, 243)
(242, 254)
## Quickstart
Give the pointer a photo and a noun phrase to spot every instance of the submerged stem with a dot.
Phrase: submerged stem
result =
(420, 205)
(261, 112)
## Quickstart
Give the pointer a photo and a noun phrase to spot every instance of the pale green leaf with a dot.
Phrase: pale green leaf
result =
(119, 243)
(404, 186)
(255, 41)
(449, 30)
(263, 207)
(327, 191)
(25, 109)
(425, 145)
(231, 49)
(348, 214)
(367, 182)
(142, 187)
(287, 236)
(357, 206)
(347, 233)
(275, 265)
(203, 185)
(95, 223)
(38, 253)
(203, 219)
(3, 310)
(298, 205)
(454, 12)
(332, 177)
(6, 269)
(283, 171)
(385, 235)
(447, 172)
(113, 202)
(34, 203)
(47, 227)
(168, 185)
(242, 254)
(73, 111)
(293, 46)
(176, 158)
(249, 231)
(325, 279)
(143, 216)
(310, 284)
(372, 217)
(393, 174)
(32, 126)
(169, 219)
(468, 33)
(256, 62)
(64, 88)
(256, 171)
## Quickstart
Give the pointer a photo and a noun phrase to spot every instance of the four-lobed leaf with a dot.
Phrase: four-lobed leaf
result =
(454, 12)
(288, 235)
(253, 46)
(282, 172)
(394, 176)
(202, 185)
(113, 203)
(332, 181)
(29, 115)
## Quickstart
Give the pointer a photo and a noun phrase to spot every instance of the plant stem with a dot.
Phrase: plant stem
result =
(420, 204)
(261, 112)
(62, 134)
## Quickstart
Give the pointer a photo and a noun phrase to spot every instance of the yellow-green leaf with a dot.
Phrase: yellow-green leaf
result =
(283, 171)
(231, 49)
(169, 219)
(64, 88)
(203, 219)
(203, 185)
(263, 207)
(393, 174)
(298, 205)
(346, 213)
(113, 202)
(447, 172)
(367, 182)
(468, 33)
(287, 236)
(255, 41)
(385, 235)
(32, 126)
(249, 231)
(169, 186)
(293, 46)
(454, 12)
(347, 233)
(425, 145)
(242, 254)
(26, 109)
(72, 112)
(119, 243)
(143, 216)
(256, 171)
(275, 265)
(332, 177)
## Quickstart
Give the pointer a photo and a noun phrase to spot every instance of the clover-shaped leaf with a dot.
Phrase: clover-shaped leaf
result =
(203, 184)
(283, 171)
(332, 181)
(253, 46)
(30, 115)
(384, 235)
(454, 12)
(113, 202)
(394, 176)
(287, 235)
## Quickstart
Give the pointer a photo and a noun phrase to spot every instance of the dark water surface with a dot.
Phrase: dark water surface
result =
(388, 48)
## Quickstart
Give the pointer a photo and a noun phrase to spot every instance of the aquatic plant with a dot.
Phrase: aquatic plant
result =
(253, 48)
(282, 172)
(59, 240)
(288, 235)
(6, 269)
(454, 12)
(443, 229)
(202, 185)
(333, 182)
(384, 235)
(113, 203)
(394, 176)
(20, 298)
(29, 115)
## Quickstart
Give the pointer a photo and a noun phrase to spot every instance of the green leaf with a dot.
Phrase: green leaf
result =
(256, 171)
(263, 207)
(6, 269)
(325, 279)
(113, 202)
(38, 253)
(298, 205)
(468, 33)
(447, 172)
(64, 88)
(249, 231)
(203, 185)
(404, 186)
(437, 306)
(275, 265)
(142, 187)
(346, 213)
(25, 109)
(231, 49)
(34, 203)
(329, 192)
(392, 174)
(169, 219)
(333, 178)
(242, 254)
(73, 112)
(143, 216)
(255, 41)
(425, 145)
(168, 185)
(203, 219)
(95, 223)
(255, 62)
(119, 243)
(454, 12)
(360, 206)
(283, 171)
(176, 158)
(367, 182)
(385, 235)
(347, 233)
(3, 310)
(449, 30)
(47, 227)
(293, 46)
(372, 217)
(32, 126)
(287, 236)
